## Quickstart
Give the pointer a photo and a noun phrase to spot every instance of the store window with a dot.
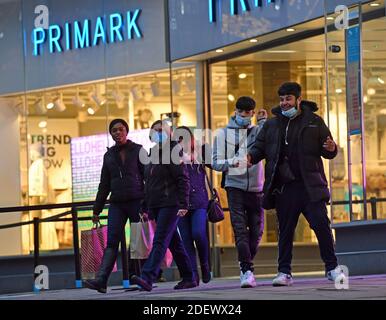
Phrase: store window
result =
(64, 134)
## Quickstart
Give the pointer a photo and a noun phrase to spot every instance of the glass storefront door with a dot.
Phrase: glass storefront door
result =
(355, 97)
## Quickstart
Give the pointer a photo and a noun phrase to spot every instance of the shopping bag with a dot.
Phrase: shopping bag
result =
(141, 238)
(93, 244)
(141, 241)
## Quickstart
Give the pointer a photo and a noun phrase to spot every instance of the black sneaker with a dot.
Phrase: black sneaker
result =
(141, 282)
(184, 284)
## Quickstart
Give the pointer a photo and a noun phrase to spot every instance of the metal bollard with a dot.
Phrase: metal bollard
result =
(36, 250)
(125, 265)
(75, 232)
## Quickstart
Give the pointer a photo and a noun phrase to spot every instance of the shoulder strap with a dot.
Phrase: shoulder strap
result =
(209, 184)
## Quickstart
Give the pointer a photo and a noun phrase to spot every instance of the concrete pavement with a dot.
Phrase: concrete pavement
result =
(306, 287)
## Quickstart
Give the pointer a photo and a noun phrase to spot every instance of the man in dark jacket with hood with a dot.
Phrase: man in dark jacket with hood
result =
(292, 143)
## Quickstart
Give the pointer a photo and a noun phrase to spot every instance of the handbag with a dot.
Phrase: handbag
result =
(93, 244)
(214, 210)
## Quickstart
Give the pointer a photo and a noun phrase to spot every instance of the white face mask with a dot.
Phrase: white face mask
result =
(290, 113)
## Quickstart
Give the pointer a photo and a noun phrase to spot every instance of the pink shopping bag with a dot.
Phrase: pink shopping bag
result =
(93, 244)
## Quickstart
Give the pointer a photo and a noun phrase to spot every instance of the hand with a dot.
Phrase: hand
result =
(329, 145)
(249, 161)
(95, 218)
(182, 212)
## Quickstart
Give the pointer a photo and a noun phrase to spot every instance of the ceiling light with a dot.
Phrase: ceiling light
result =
(190, 83)
(330, 18)
(50, 105)
(59, 104)
(253, 40)
(136, 92)
(374, 4)
(242, 75)
(42, 124)
(155, 87)
(176, 86)
(371, 91)
(219, 50)
(290, 29)
(91, 111)
(39, 107)
(365, 99)
(97, 97)
(119, 98)
(78, 102)
(338, 90)
(380, 80)
(231, 97)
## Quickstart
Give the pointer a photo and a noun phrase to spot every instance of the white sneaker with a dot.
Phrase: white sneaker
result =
(336, 275)
(247, 279)
(282, 279)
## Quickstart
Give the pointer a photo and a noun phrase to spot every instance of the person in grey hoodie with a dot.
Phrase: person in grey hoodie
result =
(243, 183)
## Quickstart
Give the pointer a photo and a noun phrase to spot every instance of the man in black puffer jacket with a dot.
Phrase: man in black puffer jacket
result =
(292, 143)
(123, 176)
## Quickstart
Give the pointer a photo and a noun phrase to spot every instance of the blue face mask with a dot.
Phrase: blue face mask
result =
(243, 121)
(290, 113)
(159, 137)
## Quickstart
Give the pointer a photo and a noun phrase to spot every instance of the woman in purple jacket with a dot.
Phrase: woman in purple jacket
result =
(193, 226)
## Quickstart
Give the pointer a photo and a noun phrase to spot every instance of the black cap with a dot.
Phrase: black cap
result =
(289, 88)
(245, 103)
(115, 121)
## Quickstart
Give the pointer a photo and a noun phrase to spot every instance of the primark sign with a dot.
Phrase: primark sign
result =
(215, 6)
(112, 28)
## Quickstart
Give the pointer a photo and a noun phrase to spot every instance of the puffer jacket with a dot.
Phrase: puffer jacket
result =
(166, 185)
(124, 181)
(312, 134)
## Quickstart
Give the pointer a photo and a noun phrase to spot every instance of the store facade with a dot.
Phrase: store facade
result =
(69, 67)
(336, 51)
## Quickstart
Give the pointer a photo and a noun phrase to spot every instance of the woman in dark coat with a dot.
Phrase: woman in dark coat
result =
(123, 176)
(167, 199)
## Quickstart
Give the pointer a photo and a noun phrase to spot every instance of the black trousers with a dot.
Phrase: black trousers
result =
(247, 217)
(118, 215)
(292, 201)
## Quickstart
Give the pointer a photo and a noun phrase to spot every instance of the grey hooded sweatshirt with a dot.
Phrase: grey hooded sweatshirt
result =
(246, 179)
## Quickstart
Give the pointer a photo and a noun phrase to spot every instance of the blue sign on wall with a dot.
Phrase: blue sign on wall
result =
(80, 35)
(234, 6)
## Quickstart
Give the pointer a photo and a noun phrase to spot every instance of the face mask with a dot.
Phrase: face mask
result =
(159, 137)
(243, 121)
(290, 113)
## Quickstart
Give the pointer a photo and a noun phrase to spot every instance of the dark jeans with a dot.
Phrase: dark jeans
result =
(193, 229)
(117, 218)
(247, 217)
(292, 201)
(166, 236)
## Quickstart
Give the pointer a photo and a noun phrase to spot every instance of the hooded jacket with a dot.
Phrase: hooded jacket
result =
(230, 145)
(166, 184)
(312, 134)
(124, 181)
